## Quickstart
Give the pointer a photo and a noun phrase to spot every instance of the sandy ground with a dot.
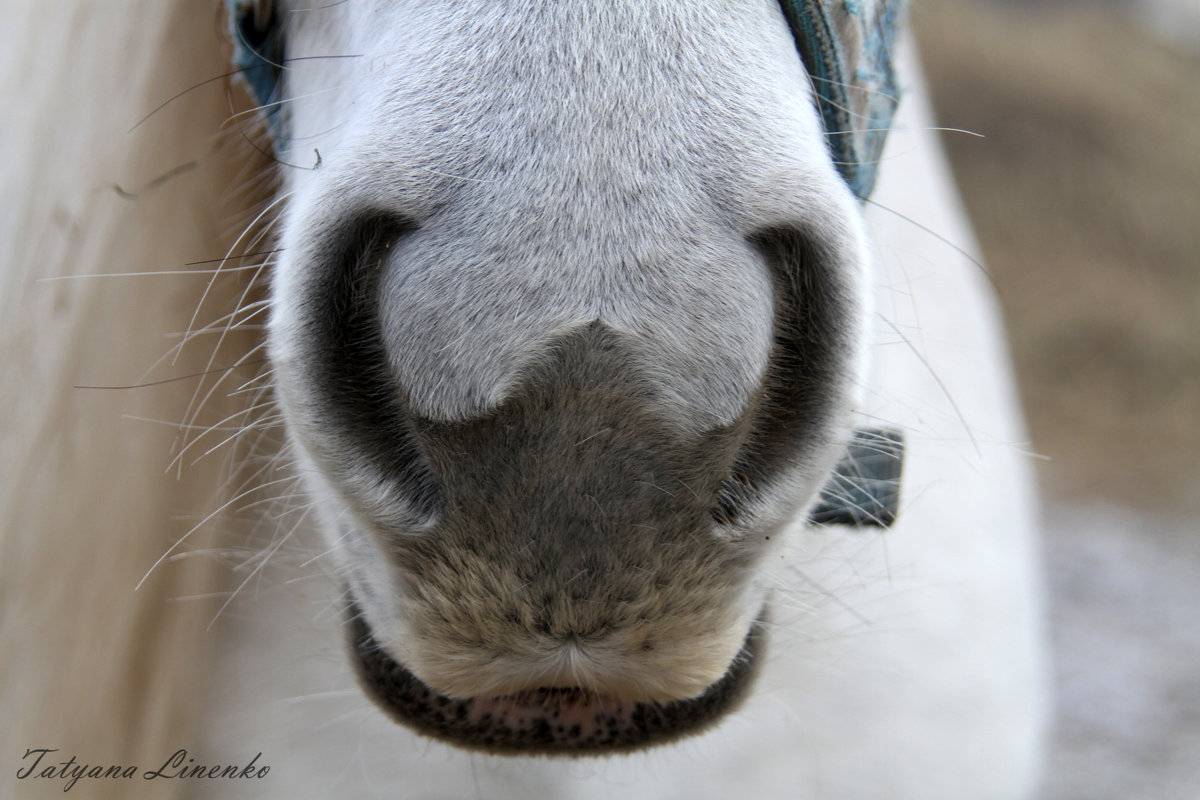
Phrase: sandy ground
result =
(1125, 601)
(1086, 197)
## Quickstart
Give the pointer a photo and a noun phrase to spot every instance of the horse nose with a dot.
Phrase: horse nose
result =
(575, 545)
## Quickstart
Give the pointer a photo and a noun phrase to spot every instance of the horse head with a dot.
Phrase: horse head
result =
(568, 324)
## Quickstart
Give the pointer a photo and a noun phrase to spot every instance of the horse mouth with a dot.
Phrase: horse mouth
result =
(547, 721)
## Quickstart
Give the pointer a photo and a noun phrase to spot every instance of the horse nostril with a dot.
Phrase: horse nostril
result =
(354, 414)
(732, 496)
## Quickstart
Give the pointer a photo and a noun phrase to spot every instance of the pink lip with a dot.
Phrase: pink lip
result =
(549, 721)
(569, 713)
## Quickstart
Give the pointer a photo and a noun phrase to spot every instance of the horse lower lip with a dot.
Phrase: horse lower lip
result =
(562, 715)
(543, 721)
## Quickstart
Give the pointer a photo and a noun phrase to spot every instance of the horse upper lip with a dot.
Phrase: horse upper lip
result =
(543, 721)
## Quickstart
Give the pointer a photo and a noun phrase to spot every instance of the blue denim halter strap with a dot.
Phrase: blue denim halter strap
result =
(847, 48)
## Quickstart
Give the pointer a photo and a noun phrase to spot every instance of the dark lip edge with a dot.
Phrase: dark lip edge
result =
(411, 703)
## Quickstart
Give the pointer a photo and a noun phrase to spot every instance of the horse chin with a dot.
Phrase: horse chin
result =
(562, 721)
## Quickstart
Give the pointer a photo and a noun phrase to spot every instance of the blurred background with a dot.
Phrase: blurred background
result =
(1085, 194)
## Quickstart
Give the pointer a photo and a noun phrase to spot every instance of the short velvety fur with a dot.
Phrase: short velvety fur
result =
(560, 359)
